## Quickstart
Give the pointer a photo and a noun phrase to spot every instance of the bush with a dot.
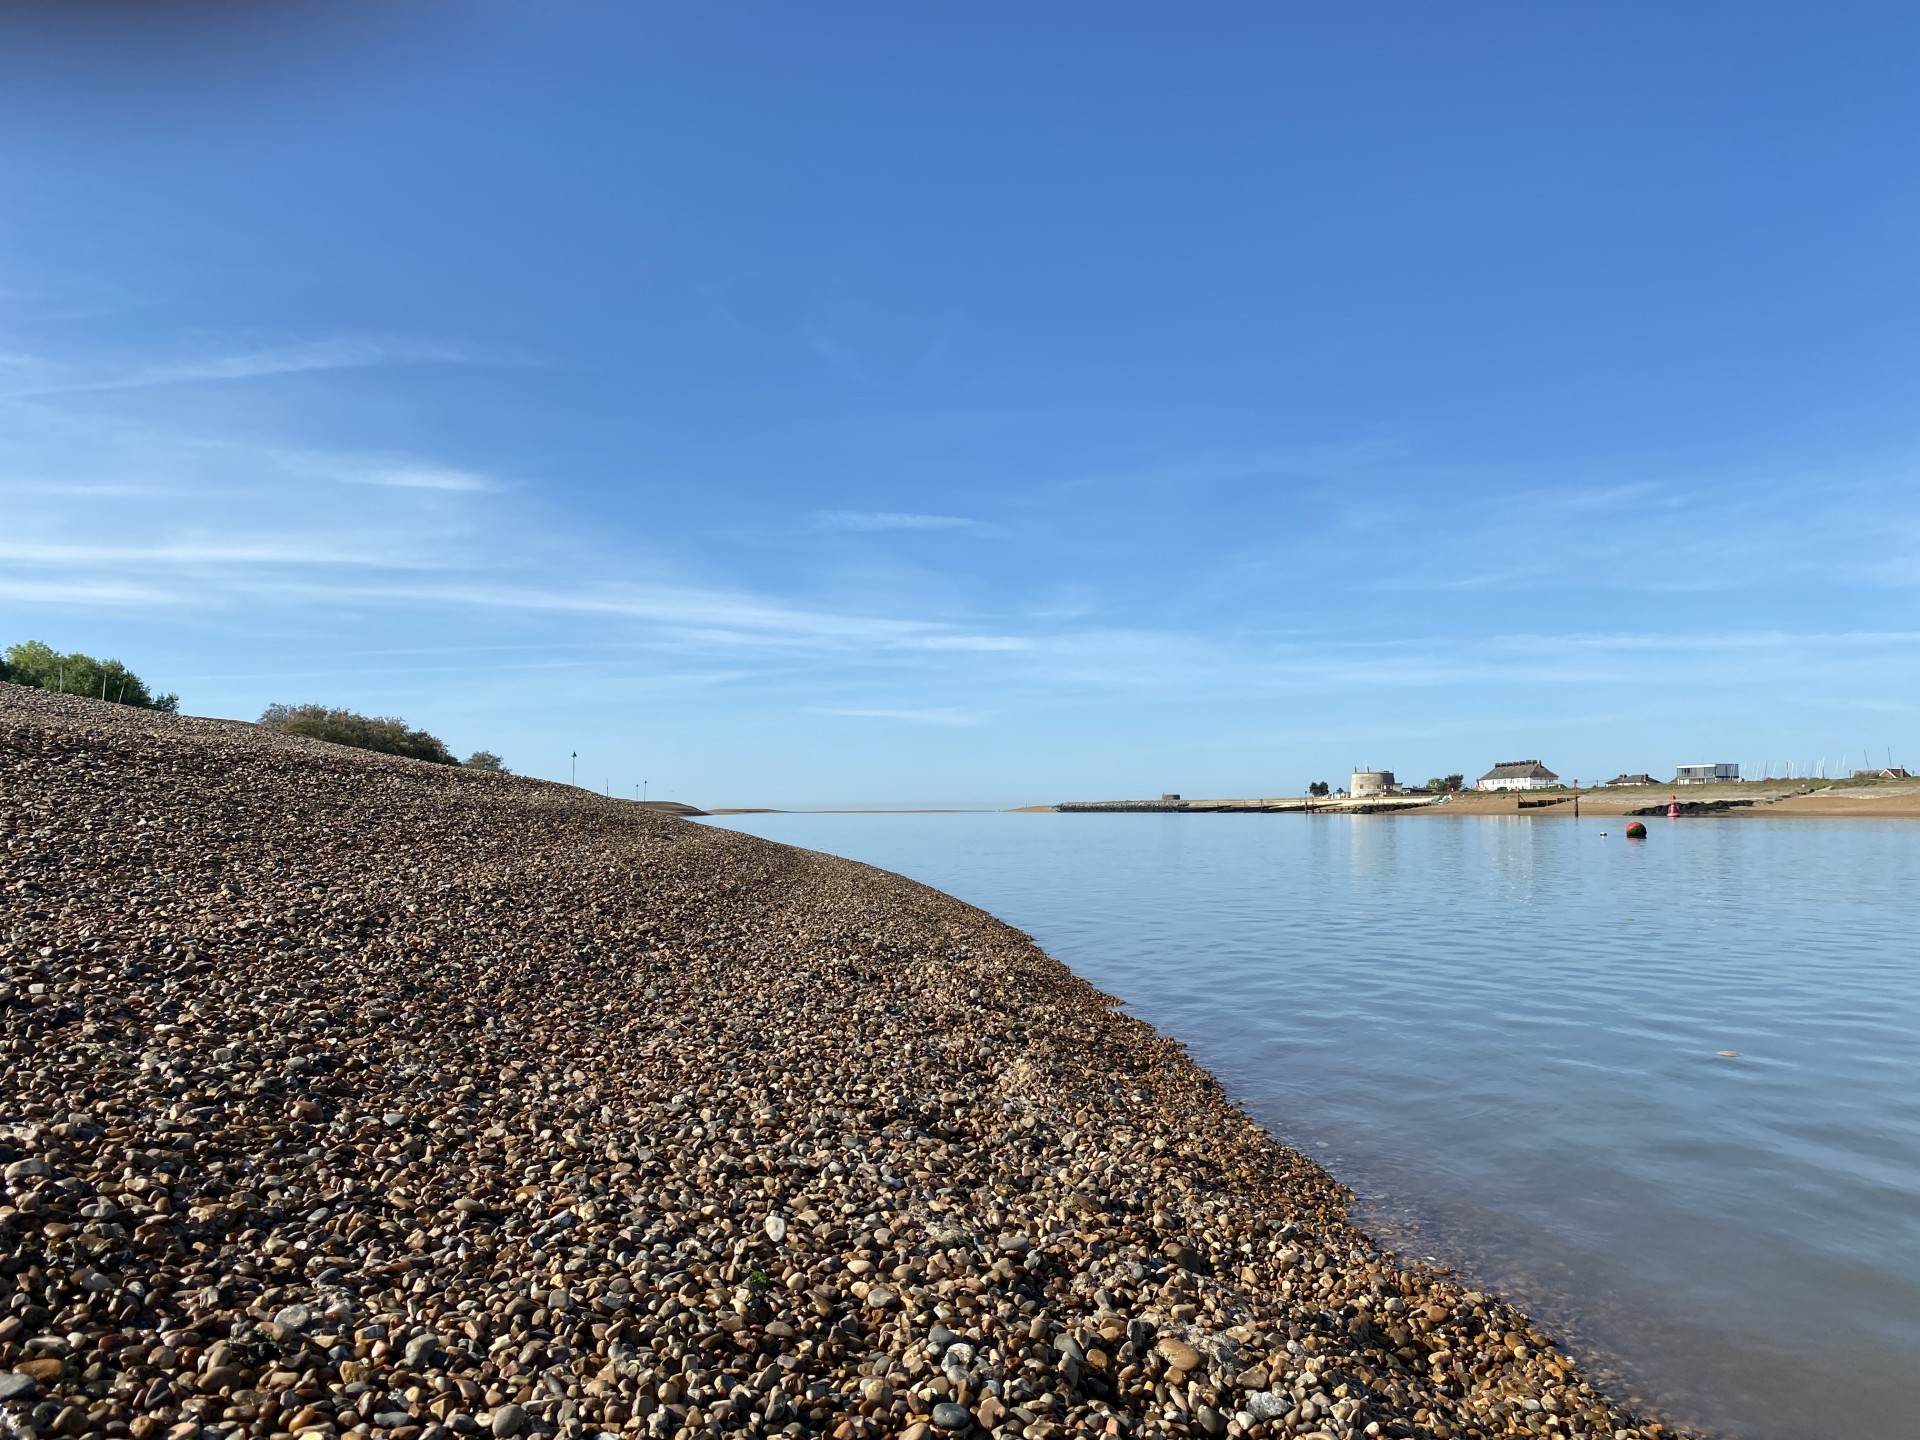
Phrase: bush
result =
(40, 665)
(1447, 784)
(487, 760)
(387, 734)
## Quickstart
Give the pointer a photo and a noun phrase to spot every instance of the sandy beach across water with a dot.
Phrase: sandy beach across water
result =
(1850, 799)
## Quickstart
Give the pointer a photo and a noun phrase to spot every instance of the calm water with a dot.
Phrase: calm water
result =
(1502, 1033)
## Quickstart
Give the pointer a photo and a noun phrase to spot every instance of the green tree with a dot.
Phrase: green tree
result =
(1447, 784)
(487, 760)
(1320, 788)
(388, 734)
(35, 663)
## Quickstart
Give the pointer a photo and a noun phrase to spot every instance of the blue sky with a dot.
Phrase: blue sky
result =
(935, 404)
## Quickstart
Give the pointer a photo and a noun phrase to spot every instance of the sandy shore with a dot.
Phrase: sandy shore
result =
(1886, 799)
(1870, 799)
(350, 1096)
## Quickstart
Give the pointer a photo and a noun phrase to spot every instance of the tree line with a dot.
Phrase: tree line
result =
(388, 734)
(40, 665)
(32, 662)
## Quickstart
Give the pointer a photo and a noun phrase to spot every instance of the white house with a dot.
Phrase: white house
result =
(1517, 775)
(1704, 774)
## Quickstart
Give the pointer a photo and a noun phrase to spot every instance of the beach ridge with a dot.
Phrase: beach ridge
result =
(352, 1096)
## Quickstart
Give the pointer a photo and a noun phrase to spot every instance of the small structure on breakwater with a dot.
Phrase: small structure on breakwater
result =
(1174, 805)
(1164, 805)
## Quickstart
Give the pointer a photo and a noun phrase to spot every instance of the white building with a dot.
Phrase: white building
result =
(1517, 775)
(1704, 774)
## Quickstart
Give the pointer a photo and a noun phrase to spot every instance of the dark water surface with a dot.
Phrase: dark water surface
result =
(1502, 1033)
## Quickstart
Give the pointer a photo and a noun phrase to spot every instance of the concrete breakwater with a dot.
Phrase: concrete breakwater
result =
(1196, 807)
(349, 1096)
(1693, 807)
(1181, 807)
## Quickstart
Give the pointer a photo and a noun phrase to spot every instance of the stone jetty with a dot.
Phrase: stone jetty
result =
(348, 1096)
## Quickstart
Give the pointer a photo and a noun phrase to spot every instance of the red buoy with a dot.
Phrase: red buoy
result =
(1636, 831)
(1673, 807)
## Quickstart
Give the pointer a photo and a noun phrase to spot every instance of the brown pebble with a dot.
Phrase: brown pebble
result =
(1177, 1353)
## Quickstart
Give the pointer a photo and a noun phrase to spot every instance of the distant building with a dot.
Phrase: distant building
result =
(1372, 782)
(1896, 772)
(1168, 795)
(1705, 774)
(1517, 775)
(1640, 779)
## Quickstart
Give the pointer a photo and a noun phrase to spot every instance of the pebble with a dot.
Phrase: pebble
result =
(1267, 1404)
(1177, 1353)
(412, 1103)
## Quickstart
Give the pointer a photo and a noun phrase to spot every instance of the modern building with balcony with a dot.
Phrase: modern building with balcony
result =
(1705, 774)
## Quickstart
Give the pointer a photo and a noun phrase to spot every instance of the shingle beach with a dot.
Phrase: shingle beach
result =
(353, 1096)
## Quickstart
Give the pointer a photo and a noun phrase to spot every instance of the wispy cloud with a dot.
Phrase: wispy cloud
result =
(1188, 620)
(873, 520)
(272, 550)
(345, 353)
(99, 594)
(403, 474)
(933, 716)
(1705, 643)
(712, 620)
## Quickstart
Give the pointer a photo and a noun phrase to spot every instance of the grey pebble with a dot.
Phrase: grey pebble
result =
(15, 1386)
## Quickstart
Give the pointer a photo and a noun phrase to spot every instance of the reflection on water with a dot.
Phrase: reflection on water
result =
(1503, 1033)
